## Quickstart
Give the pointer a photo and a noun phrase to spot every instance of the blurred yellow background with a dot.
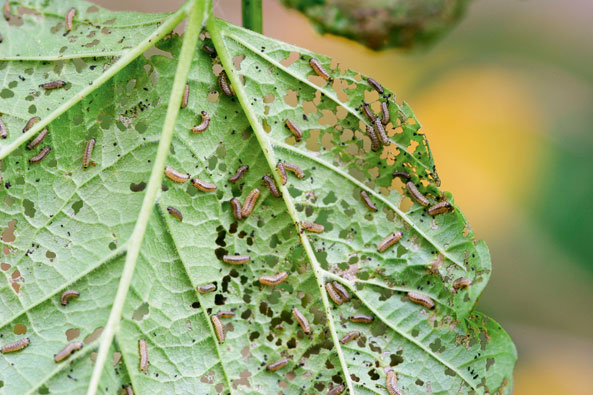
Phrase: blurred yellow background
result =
(506, 100)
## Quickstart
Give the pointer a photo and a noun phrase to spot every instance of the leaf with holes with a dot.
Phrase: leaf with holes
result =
(164, 301)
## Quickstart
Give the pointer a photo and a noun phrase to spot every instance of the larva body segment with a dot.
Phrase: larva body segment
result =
(236, 259)
(375, 85)
(333, 294)
(67, 295)
(70, 349)
(206, 288)
(30, 123)
(348, 337)
(312, 227)
(367, 201)
(273, 280)
(203, 126)
(269, 181)
(421, 299)
(185, 98)
(203, 185)
(38, 139)
(274, 366)
(362, 318)
(439, 208)
(389, 241)
(41, 155)
(375, 144)
(218, 328)
(239, 174)
(302, 320)
(415, 193)
(249, 203)
(69, 17)
(175, 175)
(88, 152)
(143, 353)
(294, 129)
(319, 69)
(16, 346)
(53, 85)
(236, 205)
(176, 213)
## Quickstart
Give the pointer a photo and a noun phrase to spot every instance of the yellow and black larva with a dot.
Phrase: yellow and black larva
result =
(389, 241)
(302, 320)
(384, 113)
(236, 205)
(420, 198)
(7, 13)
(88, 153)
(203, 185)
(401, 174)
(341, 290)
(53, 85)
(175, 175)
(3, 130)
(38, 139)
(421, 299)
(368, 113)
(362, 318)
(67, 351)
(269, 181)
(224, 84)
(273, 280)
(319, 69)
(143, 353)
(185, 98)
(333, 294)
(274, 366)
(294, 129)
(16, 346)
(127, 390)
(30, 123)
(69, 17)
(375, 145)
(439, 208)
(348, 337)
(375, 85)
(367, 201)
(176, 213)
(41, 155)
(337, 390)
(203, 126)
(381, 132)
(236, 259)
(249, 203)
(282, 172)
(312, 227)
(462, 282)
(391, 382)
(218, 327)
(67, 295)
(239, 173)
(294, 169)
(206, 288)
(226, 314)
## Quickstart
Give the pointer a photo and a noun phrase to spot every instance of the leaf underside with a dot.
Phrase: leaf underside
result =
(66, 228)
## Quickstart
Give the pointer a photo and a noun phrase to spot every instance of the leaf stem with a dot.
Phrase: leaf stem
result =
(252, 15)
(190, 40)
(268, 152)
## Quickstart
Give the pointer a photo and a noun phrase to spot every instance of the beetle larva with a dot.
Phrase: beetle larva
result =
(341, 290)
(384, 113)
(391, 382)
(273, 280)
(185, 98)
(389, 241)
(333, 294)
(337, 390)
(16, 346)
(69, 17)
(401, 174)
(225, 86)
(30, 123)
(67, 295)
(375, 145)
(236, 259)
(67, 351)
(239, 173)
(143, 352)
(294, 129)
(269, 181)
(175, 175)
(41, 155)
(368, 113)
(236, 205)
(381, 132)
(249, 204)
(207, 288)
(127, 390)
(277, 365)
(375, 85)
(7, 13)
(420, 198)
(203, 185)
(312, 227)
(294, 169)
(362, 318)
(38, 139)
(348, 337)
(1, 38)
(367, 201)
(176, 213)
(3, 130)
(462, 282)
(319, 70)
(421, 299)
(439, 208)
(209, 50)
(202, 127)
(53, 85)
(226, 314)
(88, 152)
(218, 328)
(282, 172)
(302, 320)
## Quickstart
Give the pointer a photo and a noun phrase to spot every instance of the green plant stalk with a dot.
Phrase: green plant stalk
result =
(122, 62)
(188, 48)
(268, 151)
(252, 15)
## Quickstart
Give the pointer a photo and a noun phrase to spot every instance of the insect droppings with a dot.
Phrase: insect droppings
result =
(269, 181)
(312, 227)
(439, 208)
(236, 259)
(207, 288)
(367, 201)
(70, 349)
(272, 367)
(375, 85)
(203, 185)
(16, 346)
(175, 175)
(389, 241)
(218, 327)
(41, 155)
(38, 139)
(53, 85)
(348, 337)
(273, 280)
(143, 353)
(421, 299)
(362, 318)
(67, 295)
(249, 203)
(185, 98)
(176, 213)
(88, 153)
(203, 126)
(294, 129)
(420, 198)
(302, 320)
(319, 70)
(69, 17)
(30, 123)
(239, 173)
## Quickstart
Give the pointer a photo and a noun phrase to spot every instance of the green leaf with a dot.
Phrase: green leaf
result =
(100, 232)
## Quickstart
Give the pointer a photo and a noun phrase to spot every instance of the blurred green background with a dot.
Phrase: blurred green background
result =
(506, 100)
